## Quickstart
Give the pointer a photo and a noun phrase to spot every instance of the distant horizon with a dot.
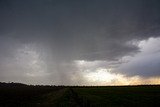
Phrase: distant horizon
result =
(77, 85)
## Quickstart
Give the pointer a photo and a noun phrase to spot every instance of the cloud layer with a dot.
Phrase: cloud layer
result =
(61, 42)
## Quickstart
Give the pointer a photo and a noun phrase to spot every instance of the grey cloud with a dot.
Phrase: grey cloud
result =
(146, 63)
(82, 30)
(147, 66)
(64, 31)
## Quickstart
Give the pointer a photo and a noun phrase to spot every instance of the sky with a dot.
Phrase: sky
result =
(80, 42)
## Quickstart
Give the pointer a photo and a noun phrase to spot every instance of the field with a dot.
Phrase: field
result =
(21, 95)
(121, 96)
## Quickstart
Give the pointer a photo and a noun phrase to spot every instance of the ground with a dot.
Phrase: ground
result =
(20, 95)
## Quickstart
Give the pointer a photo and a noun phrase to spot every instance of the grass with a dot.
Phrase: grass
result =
(121, 96)
(20, 95)
(12, 95)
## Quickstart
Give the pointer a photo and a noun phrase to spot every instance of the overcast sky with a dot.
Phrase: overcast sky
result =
(80, 42)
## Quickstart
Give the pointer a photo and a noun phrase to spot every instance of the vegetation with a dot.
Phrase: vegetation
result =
(16, 94)
(120, 96)
(21, 95)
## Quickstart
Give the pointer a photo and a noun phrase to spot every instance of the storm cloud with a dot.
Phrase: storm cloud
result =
(50, 41)
(146, 63)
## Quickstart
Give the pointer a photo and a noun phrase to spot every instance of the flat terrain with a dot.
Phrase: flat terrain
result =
(20, 95)
(121, 96)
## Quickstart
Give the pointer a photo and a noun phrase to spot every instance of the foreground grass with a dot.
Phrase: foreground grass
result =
(20, 95)
(13, 95)
(124, 96)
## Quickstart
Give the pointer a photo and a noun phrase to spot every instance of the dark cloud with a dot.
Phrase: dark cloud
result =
(146, 66)
(82, 30)
(63, 31)
(146, 63)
